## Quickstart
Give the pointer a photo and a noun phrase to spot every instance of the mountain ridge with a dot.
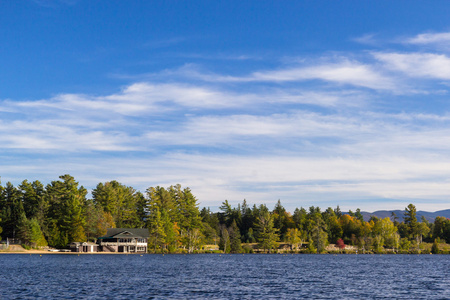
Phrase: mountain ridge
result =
(429, 216)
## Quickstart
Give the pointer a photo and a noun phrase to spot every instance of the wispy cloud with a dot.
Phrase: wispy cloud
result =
(344, 72)
(428, 65)
(311, 131)
(430, 38)
(367, 39)
(351, 73)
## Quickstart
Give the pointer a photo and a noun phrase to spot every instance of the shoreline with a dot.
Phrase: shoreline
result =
(41, 252)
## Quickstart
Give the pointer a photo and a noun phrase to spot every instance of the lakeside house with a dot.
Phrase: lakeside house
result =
(84, 247)
(125, 240)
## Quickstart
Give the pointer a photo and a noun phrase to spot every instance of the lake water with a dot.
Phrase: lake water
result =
(224, 276)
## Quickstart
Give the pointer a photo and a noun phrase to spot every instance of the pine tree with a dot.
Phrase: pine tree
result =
(235, 238)
(410, 221)
(267, 233)
(224, 242)
(66, 217)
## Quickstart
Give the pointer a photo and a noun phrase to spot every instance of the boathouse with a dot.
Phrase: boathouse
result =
(125, 240)
(85, 247)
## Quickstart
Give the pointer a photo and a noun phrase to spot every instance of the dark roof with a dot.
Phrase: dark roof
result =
(127, 233)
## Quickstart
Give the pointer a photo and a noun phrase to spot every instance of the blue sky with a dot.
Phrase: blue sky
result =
(318, 103)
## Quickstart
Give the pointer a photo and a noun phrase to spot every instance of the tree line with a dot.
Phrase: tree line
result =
(60, 213)
(316, 229)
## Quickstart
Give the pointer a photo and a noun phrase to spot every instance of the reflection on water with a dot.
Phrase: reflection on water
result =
(224, 276)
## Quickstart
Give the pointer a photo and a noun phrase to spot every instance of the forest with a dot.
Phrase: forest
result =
(60, 213)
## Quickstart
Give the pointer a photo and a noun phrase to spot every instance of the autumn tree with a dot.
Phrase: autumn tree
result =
(294, 238)
(340, 244)
(97, 221)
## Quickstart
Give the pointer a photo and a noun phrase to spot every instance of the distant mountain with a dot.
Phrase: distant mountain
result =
(430, 216)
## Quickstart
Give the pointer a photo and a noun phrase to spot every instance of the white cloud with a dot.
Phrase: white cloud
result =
(343, 73)
(367, 39)
(340, 71)
(330, 141)
(426, 65)
(297, 181)
(430, 38)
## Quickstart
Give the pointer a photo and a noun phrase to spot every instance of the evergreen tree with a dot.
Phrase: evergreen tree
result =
(318, 230)
(247, 222)
(34, 202)
(157, 233)
(226, 216)
(97, 221)
(435, 247)
(224, 242)
(410, 221)
(12, 211)
(235, 238)
(267, 233)
(122, 202)
(359, 215)
(190, 220)
(30, 233)
(66, 216)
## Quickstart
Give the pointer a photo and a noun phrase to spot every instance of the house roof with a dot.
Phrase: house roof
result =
(126, 233)
(82, 244)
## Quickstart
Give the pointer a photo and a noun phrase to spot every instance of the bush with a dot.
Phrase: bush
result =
(247, 249)
(26, 247)
(435, 247)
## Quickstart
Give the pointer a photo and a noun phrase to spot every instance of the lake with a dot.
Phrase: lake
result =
(214, 276)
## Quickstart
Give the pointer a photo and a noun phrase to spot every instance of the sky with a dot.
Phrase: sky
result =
(313, 103)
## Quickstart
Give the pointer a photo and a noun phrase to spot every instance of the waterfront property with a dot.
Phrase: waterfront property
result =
(125, 240)
(85, 247)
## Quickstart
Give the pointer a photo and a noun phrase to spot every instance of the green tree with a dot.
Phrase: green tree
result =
(359, 215)
(11, 210)
(190, 221)
(122, 202)
(227, 213)
(435, 247)
(300, 218)
(422, 230)
(294, 238)
(65, 215)
(410, 221)
(31, 234)
(384, 233)
(97, 221)
(267, 233)
(318, 230)
(281, 219)
(157, 230)
(439, 227)
(333, 226)
(235, 238)
(224, 242)
(162, 219)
